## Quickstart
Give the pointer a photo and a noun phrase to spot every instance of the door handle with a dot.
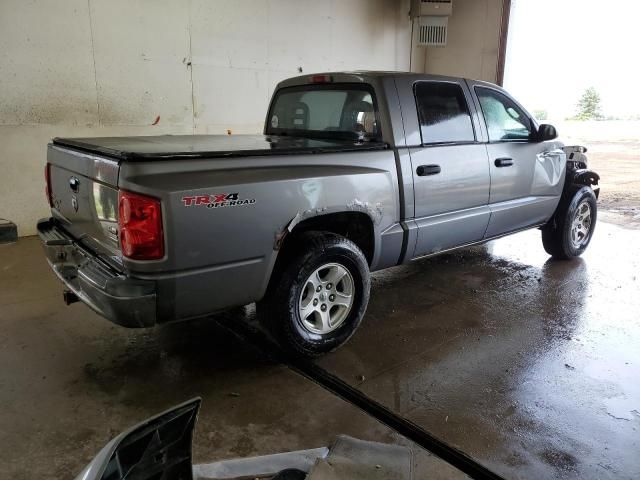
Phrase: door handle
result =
(424, 170)
(503, 162)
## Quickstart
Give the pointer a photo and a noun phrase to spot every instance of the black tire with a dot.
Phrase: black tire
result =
(280, 307)
(557, 234)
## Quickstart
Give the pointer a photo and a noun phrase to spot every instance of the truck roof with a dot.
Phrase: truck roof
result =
(172, 147)
(363, 76)
(368, 73)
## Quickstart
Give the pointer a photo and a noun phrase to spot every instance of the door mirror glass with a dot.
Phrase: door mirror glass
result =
(546, 132)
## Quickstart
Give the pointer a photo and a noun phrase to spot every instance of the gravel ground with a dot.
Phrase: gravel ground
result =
(614, 153)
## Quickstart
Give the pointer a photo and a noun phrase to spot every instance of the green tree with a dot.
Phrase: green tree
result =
(589, 105)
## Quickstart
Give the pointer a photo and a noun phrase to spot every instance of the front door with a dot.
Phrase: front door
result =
(527, 176)
(450, 169)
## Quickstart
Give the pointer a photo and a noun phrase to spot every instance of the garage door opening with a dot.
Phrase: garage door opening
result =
(565, 62)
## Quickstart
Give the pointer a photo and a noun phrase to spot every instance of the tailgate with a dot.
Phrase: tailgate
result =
(84, 194)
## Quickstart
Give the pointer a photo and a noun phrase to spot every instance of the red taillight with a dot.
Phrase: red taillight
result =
(47, 179)
(140, 223)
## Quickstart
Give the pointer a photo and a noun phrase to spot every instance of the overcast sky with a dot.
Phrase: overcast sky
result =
(558, 48)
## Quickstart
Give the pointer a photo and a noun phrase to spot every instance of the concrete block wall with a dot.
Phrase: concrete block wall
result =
(112, 67)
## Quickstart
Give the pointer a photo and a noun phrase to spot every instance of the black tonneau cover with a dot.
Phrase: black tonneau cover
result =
(171, 147)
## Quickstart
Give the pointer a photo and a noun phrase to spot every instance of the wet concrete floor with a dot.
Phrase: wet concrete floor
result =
(530, 366)
(70, 381)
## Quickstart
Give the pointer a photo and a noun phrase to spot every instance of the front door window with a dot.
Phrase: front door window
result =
(505, 120)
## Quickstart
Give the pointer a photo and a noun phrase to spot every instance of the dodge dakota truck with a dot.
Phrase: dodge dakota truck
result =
(355, 172)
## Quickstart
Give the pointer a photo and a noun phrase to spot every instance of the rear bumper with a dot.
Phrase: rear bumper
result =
(126, 301)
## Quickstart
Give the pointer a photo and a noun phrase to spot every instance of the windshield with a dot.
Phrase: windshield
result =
(325, 111)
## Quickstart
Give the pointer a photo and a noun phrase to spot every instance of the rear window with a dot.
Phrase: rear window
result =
(443, 113)
(337, 111)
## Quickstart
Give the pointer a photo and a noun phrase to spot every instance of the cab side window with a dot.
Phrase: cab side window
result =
(443, 113)
(505, 120)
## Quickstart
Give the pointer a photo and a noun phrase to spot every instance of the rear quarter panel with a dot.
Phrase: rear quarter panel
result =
(222, 257)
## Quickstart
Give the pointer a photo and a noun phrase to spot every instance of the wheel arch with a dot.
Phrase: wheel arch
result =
(357, 226)
(574, 181)
(584, 176)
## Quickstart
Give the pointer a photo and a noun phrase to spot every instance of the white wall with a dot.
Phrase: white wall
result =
(110, 67)
(473, 41)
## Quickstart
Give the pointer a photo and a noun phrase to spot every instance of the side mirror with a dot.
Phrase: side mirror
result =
(159, 447)
(546, 132)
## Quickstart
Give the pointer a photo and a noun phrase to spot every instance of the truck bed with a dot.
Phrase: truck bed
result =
(174, 147)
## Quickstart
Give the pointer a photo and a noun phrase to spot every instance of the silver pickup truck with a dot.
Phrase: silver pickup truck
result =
(355, 172)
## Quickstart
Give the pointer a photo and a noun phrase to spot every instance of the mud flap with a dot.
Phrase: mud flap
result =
(158, 448)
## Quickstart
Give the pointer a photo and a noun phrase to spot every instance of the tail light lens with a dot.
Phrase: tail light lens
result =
(140, 222)
(47, 179)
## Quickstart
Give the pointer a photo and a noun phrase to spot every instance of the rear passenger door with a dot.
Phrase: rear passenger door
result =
(450, 166)
(527, 175)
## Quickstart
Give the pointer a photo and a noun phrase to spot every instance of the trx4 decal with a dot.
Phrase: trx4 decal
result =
(217, 200)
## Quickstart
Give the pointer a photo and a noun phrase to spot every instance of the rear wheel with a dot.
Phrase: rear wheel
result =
(317, 300)
(569, 233)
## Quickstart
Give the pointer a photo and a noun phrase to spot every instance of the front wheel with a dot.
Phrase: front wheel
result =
(568, 234)
(318, 299)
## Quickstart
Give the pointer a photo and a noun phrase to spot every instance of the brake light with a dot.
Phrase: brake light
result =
(140, 222)
(47, 187)
(321, 79)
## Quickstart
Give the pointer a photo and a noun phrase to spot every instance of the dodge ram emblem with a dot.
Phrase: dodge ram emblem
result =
(74, 203)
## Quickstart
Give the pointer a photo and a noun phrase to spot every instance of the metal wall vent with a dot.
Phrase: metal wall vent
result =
(432, 31)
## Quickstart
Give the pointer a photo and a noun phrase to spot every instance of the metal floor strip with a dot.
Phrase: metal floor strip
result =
(338, 387)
